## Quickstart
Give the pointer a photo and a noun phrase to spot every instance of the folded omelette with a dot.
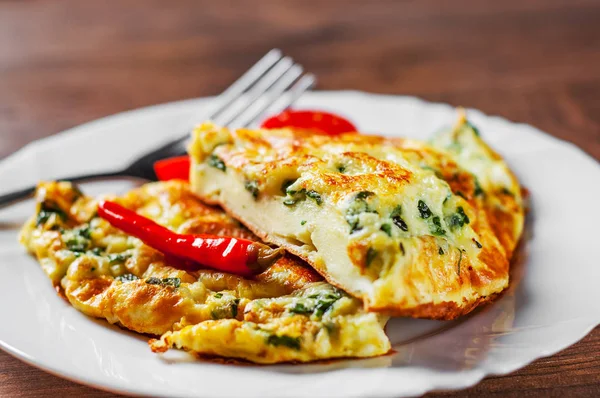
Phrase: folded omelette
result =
(286, 313)
(411, 228)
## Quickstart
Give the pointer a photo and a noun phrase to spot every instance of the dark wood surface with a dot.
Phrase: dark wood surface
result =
(63, 63)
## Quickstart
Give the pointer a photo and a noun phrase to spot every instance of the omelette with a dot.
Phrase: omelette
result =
(286, 313)
(412, 229)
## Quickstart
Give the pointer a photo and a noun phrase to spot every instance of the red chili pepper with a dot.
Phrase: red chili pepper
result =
(237, 256)
(173, 168)
(317, 121)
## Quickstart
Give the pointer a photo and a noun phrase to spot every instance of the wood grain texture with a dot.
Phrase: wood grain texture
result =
(65, 62)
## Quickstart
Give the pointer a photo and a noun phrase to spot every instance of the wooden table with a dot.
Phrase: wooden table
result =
(65, 62)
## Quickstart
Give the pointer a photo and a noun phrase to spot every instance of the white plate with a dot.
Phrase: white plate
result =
(552, 302)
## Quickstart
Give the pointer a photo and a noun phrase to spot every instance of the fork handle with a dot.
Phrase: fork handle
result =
(17, 196)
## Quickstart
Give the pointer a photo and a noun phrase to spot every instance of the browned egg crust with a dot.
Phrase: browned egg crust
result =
(107, 274)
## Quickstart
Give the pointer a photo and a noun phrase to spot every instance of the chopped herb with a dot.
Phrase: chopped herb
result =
(387, 228)
(234, 307)
(341, 168)
(506, 191)
(118, 258)
(218, 295)
(334, 294)
(402, 248)
(302, 222)
(175, 282)
(458, 219)
(315, 195)
(229, 311)
(324, 305)
(84, 232)
(424, 211)
(289, 202)
(300, 308)
(478, 190)
(371, 254)
(284, 340)
(440, 250)
(363, 195)
(216, 162)
(153, 281)
(447, 198)
(77, 244)
(300, 192)
(78, 239)
(479, 245)
(435, 224)
(353, 222)
(93, 269)
(97, 251)
(436, 227)
(324, 302)
(398, 221)
(286, 184)
(462, 195)
(300, 195)
(252, 187)
(461, 212)
(475, 129)
(127, 278)
(46, 211)
(358, 206)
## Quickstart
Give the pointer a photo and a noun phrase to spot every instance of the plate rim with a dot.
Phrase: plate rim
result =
(469, 378)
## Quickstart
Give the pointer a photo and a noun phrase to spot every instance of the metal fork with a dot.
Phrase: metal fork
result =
(264, 83)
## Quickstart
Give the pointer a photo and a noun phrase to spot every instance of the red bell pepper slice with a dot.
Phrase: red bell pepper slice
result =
(317, 121)
(173, 168)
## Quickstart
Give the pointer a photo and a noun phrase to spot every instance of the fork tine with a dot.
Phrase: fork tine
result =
(246, 81)
(259, 88)
(305, 83)
(260, 106)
